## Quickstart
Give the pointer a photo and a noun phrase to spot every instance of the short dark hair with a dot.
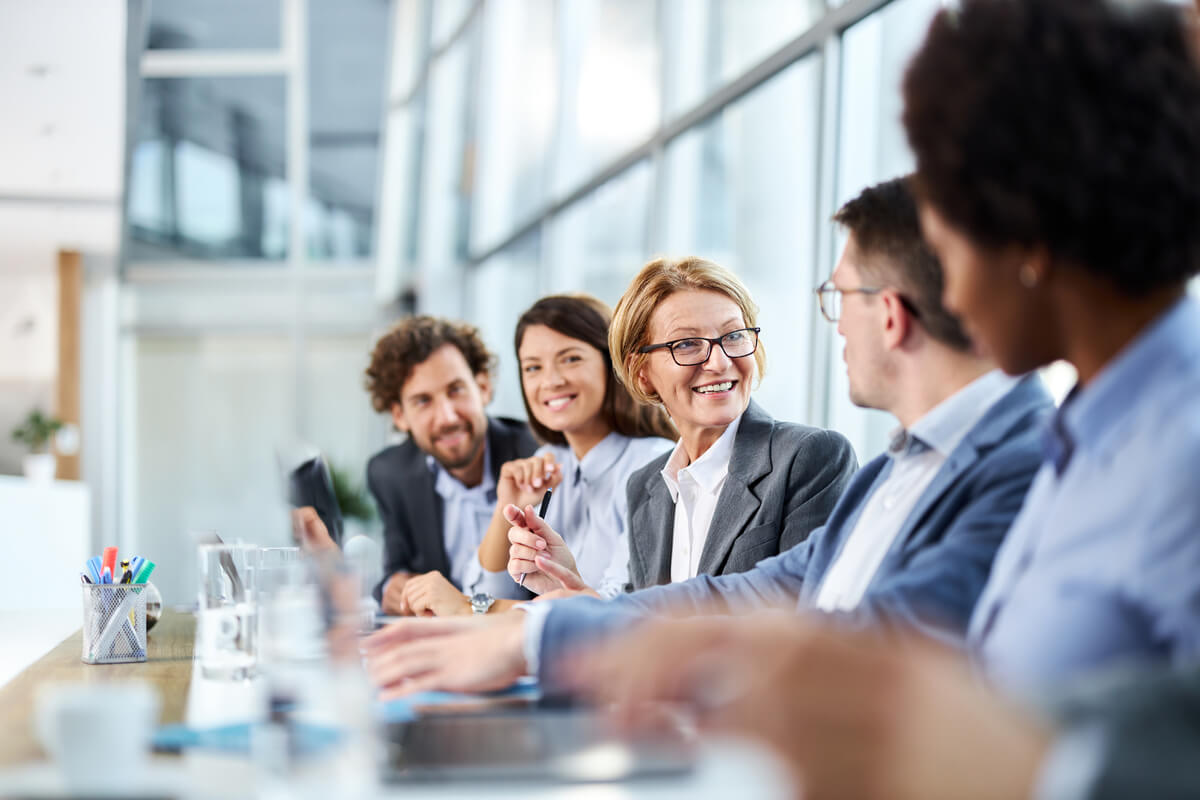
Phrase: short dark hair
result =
(409, 343)
(1072, 124)
(586, 319)
(883, 220)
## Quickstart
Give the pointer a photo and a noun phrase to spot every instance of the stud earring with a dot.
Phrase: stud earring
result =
(1028, 276)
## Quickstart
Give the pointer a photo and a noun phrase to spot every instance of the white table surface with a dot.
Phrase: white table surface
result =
(727, 769)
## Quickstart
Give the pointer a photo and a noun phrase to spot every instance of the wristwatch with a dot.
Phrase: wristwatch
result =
(481, 602)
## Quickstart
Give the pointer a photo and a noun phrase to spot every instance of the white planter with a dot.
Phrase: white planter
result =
(39, 467)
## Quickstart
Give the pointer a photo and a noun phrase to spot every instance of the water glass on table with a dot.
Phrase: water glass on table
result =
(227, 628)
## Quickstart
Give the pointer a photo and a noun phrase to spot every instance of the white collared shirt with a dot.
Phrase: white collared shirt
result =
(695, 488)
(917, 454)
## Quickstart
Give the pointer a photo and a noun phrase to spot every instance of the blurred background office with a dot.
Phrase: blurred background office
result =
(210, 208)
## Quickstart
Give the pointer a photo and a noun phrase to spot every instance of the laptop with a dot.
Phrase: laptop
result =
(532, 742)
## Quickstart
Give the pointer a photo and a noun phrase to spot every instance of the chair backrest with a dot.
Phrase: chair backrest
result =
(311, 485)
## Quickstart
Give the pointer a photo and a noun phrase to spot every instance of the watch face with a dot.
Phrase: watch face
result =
(481, 602)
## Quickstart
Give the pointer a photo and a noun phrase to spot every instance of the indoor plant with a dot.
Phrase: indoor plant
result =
(35, 433)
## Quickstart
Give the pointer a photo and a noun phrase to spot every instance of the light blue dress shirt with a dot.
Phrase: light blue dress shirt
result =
(1102, 565)
(466, 514)
(589, 508)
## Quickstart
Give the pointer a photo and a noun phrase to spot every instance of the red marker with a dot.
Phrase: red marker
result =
(109, 561)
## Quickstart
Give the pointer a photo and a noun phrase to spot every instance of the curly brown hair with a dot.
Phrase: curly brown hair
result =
(412, 341)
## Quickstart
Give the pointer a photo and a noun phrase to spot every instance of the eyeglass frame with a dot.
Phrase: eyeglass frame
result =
(828, 287)
(650, 348)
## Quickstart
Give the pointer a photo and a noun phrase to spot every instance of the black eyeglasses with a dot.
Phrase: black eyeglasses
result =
(697, 349)
(829, 297)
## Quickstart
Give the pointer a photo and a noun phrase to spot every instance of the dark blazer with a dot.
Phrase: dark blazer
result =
(403, 485)
(783, 481)
(929, 580)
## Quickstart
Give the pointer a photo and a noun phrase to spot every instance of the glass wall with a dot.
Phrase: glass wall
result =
(595, 134)
(208, 171)
(741, 191)
(871, 148)
(305, 171)
(248, 297)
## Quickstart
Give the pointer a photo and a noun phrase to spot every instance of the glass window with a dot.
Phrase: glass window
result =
(446, 162)
(712, 41)
(448, 16)
(599, 244)
(214, 24)
(517, 101)
(347, 68)
(740, 191)
(207, 165)
(337, 414)
(397, 206)
(207, 413)
(511, 274)
(872, 147)
(407, 46)
(611, 71)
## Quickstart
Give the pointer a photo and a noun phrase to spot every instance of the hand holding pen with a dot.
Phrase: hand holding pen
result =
(539, 555)
(526, 523)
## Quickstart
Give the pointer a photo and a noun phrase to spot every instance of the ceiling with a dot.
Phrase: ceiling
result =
(63, 97)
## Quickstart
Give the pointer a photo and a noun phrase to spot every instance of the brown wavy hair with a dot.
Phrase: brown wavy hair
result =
(585, 318)
(409, 343)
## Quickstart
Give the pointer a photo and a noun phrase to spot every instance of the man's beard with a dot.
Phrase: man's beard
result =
(472, 451)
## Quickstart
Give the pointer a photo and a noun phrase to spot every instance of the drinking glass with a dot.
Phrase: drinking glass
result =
(227, 629)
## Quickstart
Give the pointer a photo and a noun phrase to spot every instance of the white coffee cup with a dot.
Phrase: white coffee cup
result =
(97, 733)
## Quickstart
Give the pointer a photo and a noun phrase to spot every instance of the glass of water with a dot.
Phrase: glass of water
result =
(227, 628)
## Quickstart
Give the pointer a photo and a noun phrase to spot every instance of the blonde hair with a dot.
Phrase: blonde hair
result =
(658, 280)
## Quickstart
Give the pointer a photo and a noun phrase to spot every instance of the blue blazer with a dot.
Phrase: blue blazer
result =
(930, 578)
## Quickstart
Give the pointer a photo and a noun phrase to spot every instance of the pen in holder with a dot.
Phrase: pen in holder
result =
(114, 623)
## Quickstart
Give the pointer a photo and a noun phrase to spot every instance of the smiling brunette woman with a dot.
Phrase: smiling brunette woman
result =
(739, 486)
(595, 436)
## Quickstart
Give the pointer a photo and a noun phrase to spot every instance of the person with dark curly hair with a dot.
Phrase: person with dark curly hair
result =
(1058, 165)
(436, 491)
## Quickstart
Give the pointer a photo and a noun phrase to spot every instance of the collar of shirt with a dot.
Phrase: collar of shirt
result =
(945, 425)
(597, 461)
(1091, 417)
(447, 486)
(709, 470)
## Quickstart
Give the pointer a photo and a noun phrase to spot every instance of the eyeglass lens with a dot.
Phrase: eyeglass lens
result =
(736, 344)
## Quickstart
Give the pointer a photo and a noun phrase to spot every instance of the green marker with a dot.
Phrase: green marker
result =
(144, 573)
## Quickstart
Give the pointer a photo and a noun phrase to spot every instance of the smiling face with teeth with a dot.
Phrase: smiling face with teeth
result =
(564, 380)
(702, 399)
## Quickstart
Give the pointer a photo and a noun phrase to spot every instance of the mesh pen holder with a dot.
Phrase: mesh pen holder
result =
(114, 623)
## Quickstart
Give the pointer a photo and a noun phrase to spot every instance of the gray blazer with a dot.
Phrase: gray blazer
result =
(783, 481)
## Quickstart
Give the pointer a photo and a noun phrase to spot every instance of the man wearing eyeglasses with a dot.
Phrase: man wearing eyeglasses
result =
(910, 542)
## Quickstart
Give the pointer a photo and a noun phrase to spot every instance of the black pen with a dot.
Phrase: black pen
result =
(542, 514)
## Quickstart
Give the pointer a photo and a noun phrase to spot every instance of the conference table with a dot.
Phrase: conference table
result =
(725, 768)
